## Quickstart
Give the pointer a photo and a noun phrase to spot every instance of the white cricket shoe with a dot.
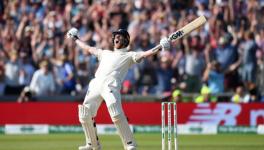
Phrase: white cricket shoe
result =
(89, 147)
(131, 147)
(86, 147)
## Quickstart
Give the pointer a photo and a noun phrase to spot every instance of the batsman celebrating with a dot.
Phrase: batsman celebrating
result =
(112, 69)
(113, 66)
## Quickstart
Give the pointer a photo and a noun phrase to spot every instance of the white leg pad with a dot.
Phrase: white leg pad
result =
(89, 128)
(122, 126)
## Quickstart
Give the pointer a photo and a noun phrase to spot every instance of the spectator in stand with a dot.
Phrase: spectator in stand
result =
(214, 76)
(13, 72)
(147, 77)
(42, 84)
(82, 75)
(194, 63)
(164, 75)
(27, 70)
(239, 95)
(65, 74)
(248, 49)
(23, 37)
(226, 54)
(144, 42)
(205, 96)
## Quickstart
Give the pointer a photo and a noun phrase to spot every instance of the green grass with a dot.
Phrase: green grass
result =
(145, 142)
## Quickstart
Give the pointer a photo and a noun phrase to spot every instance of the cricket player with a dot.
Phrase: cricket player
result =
(112, 69)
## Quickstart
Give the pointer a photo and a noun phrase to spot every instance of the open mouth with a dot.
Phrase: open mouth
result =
(116, 41)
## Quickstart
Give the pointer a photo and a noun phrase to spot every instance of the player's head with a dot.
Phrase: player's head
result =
(120, 38)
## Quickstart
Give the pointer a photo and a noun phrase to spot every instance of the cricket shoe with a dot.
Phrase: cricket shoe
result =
(89, 147)
(131, 147)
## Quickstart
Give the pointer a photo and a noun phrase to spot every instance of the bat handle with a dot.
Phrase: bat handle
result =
(156, 48)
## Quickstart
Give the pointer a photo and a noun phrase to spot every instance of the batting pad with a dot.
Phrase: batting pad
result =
(88, 125)
(122, 125)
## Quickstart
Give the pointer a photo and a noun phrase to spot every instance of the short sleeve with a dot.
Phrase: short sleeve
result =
(136, 56)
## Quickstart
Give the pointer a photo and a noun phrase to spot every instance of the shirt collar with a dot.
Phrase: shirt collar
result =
(122, 49)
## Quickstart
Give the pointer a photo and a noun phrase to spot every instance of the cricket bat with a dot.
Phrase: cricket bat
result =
(185, 30)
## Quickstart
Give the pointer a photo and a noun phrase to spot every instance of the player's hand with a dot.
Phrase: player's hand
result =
(72, 34)
(165, 43)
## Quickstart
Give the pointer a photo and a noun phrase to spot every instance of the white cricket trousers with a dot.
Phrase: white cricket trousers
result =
(103, 88)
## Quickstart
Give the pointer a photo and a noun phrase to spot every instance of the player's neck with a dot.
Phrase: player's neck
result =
(121, 49)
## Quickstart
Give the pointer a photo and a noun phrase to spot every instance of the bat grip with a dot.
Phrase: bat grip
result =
(156, 48)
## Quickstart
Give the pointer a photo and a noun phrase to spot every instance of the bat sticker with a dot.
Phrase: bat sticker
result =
(177, 35)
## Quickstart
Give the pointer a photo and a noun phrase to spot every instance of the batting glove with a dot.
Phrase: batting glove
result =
(73, 34)
(165, 43)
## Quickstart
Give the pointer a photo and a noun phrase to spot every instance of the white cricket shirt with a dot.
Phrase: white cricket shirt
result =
(115, 63)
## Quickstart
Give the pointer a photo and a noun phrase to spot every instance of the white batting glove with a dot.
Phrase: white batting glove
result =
(73, 34)
(165, 43)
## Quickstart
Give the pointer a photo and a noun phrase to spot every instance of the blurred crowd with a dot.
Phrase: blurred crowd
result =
(225, 55)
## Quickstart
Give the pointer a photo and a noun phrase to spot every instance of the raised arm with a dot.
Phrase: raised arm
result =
(86, 47)
(165, 42)
(164, 45)
(73, 34)
(207, 72)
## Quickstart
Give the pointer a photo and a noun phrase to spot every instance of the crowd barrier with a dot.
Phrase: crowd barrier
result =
(138, 113)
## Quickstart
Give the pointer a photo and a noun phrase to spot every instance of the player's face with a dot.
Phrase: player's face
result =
(119, 41)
